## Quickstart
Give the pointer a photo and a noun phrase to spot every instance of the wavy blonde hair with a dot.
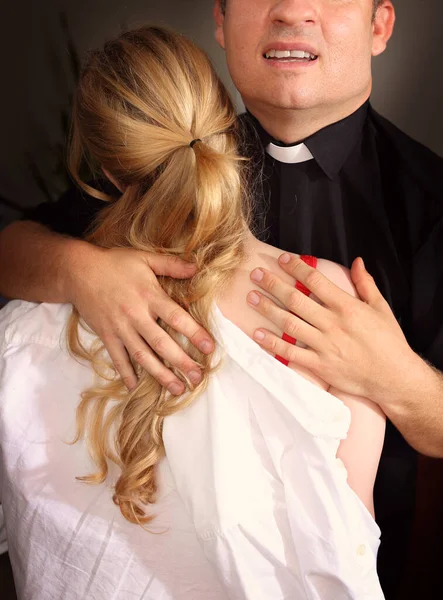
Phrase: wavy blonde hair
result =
(140, 101)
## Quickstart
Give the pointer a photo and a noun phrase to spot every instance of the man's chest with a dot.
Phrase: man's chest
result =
(340, 219)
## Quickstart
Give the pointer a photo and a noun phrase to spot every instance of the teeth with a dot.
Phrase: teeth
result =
(289, 54)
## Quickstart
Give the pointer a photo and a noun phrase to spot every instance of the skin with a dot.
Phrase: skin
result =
(299, 99)
(345, 352)
(117, 292)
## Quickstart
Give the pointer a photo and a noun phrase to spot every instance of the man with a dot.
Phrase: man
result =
(342, 182)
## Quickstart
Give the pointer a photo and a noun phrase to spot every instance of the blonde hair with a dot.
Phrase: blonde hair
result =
(139, 103)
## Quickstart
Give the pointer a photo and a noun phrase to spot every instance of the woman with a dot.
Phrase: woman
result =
(259, 480)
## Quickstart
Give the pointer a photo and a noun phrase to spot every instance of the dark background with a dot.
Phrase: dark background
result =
(42, 43)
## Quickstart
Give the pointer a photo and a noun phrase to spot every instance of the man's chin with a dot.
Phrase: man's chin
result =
(293, 103)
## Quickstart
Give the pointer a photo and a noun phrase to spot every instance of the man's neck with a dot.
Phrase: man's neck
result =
(290, 126)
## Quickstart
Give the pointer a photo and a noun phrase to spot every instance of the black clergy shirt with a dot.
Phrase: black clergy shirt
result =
(368, 191)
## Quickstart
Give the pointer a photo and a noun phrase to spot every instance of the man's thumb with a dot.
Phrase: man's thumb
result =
(364, 283)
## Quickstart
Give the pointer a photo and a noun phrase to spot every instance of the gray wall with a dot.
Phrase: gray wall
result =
(39, 77)
(408, 77)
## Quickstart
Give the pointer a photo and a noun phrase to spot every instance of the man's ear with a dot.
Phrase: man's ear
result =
(113, 180)
(382, 27)
(219, 19)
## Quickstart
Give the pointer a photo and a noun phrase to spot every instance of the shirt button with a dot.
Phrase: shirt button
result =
(361, 550)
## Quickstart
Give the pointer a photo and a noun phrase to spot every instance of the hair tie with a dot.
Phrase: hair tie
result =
(192, 144)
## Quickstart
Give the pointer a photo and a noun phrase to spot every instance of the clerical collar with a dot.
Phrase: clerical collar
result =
(289, 154)
(330, 147)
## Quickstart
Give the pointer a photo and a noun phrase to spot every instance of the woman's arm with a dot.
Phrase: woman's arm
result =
(361, 450)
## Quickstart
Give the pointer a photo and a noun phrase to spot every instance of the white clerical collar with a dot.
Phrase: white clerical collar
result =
(289, 154)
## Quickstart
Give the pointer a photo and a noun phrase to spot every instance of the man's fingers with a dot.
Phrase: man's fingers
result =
(142, 354)
(122, 364)
(149, 362)
(170, 266)
(122, 306)
(163, 345)
(182, 322)
(303, 357)
(287, 322)
(326, 291)
(294, 300)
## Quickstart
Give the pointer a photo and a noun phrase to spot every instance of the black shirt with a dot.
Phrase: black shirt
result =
(370, 191)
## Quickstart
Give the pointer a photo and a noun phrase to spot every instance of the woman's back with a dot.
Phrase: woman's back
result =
(68, 540)
(260, 477)
(250, 472)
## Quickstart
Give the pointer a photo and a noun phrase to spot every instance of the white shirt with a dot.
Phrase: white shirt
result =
(253, 503)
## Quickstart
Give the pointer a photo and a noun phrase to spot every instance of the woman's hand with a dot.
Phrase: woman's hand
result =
(355, 345)
(117, 294)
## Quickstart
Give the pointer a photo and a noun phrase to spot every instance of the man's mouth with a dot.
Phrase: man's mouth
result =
(290, 56)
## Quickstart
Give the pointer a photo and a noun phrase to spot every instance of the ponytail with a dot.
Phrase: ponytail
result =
(141, 105)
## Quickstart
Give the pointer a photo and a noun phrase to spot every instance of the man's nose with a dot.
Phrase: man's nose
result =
(294, 12)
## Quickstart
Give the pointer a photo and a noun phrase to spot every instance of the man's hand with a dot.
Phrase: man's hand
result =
(117, 294)
(355, 345)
